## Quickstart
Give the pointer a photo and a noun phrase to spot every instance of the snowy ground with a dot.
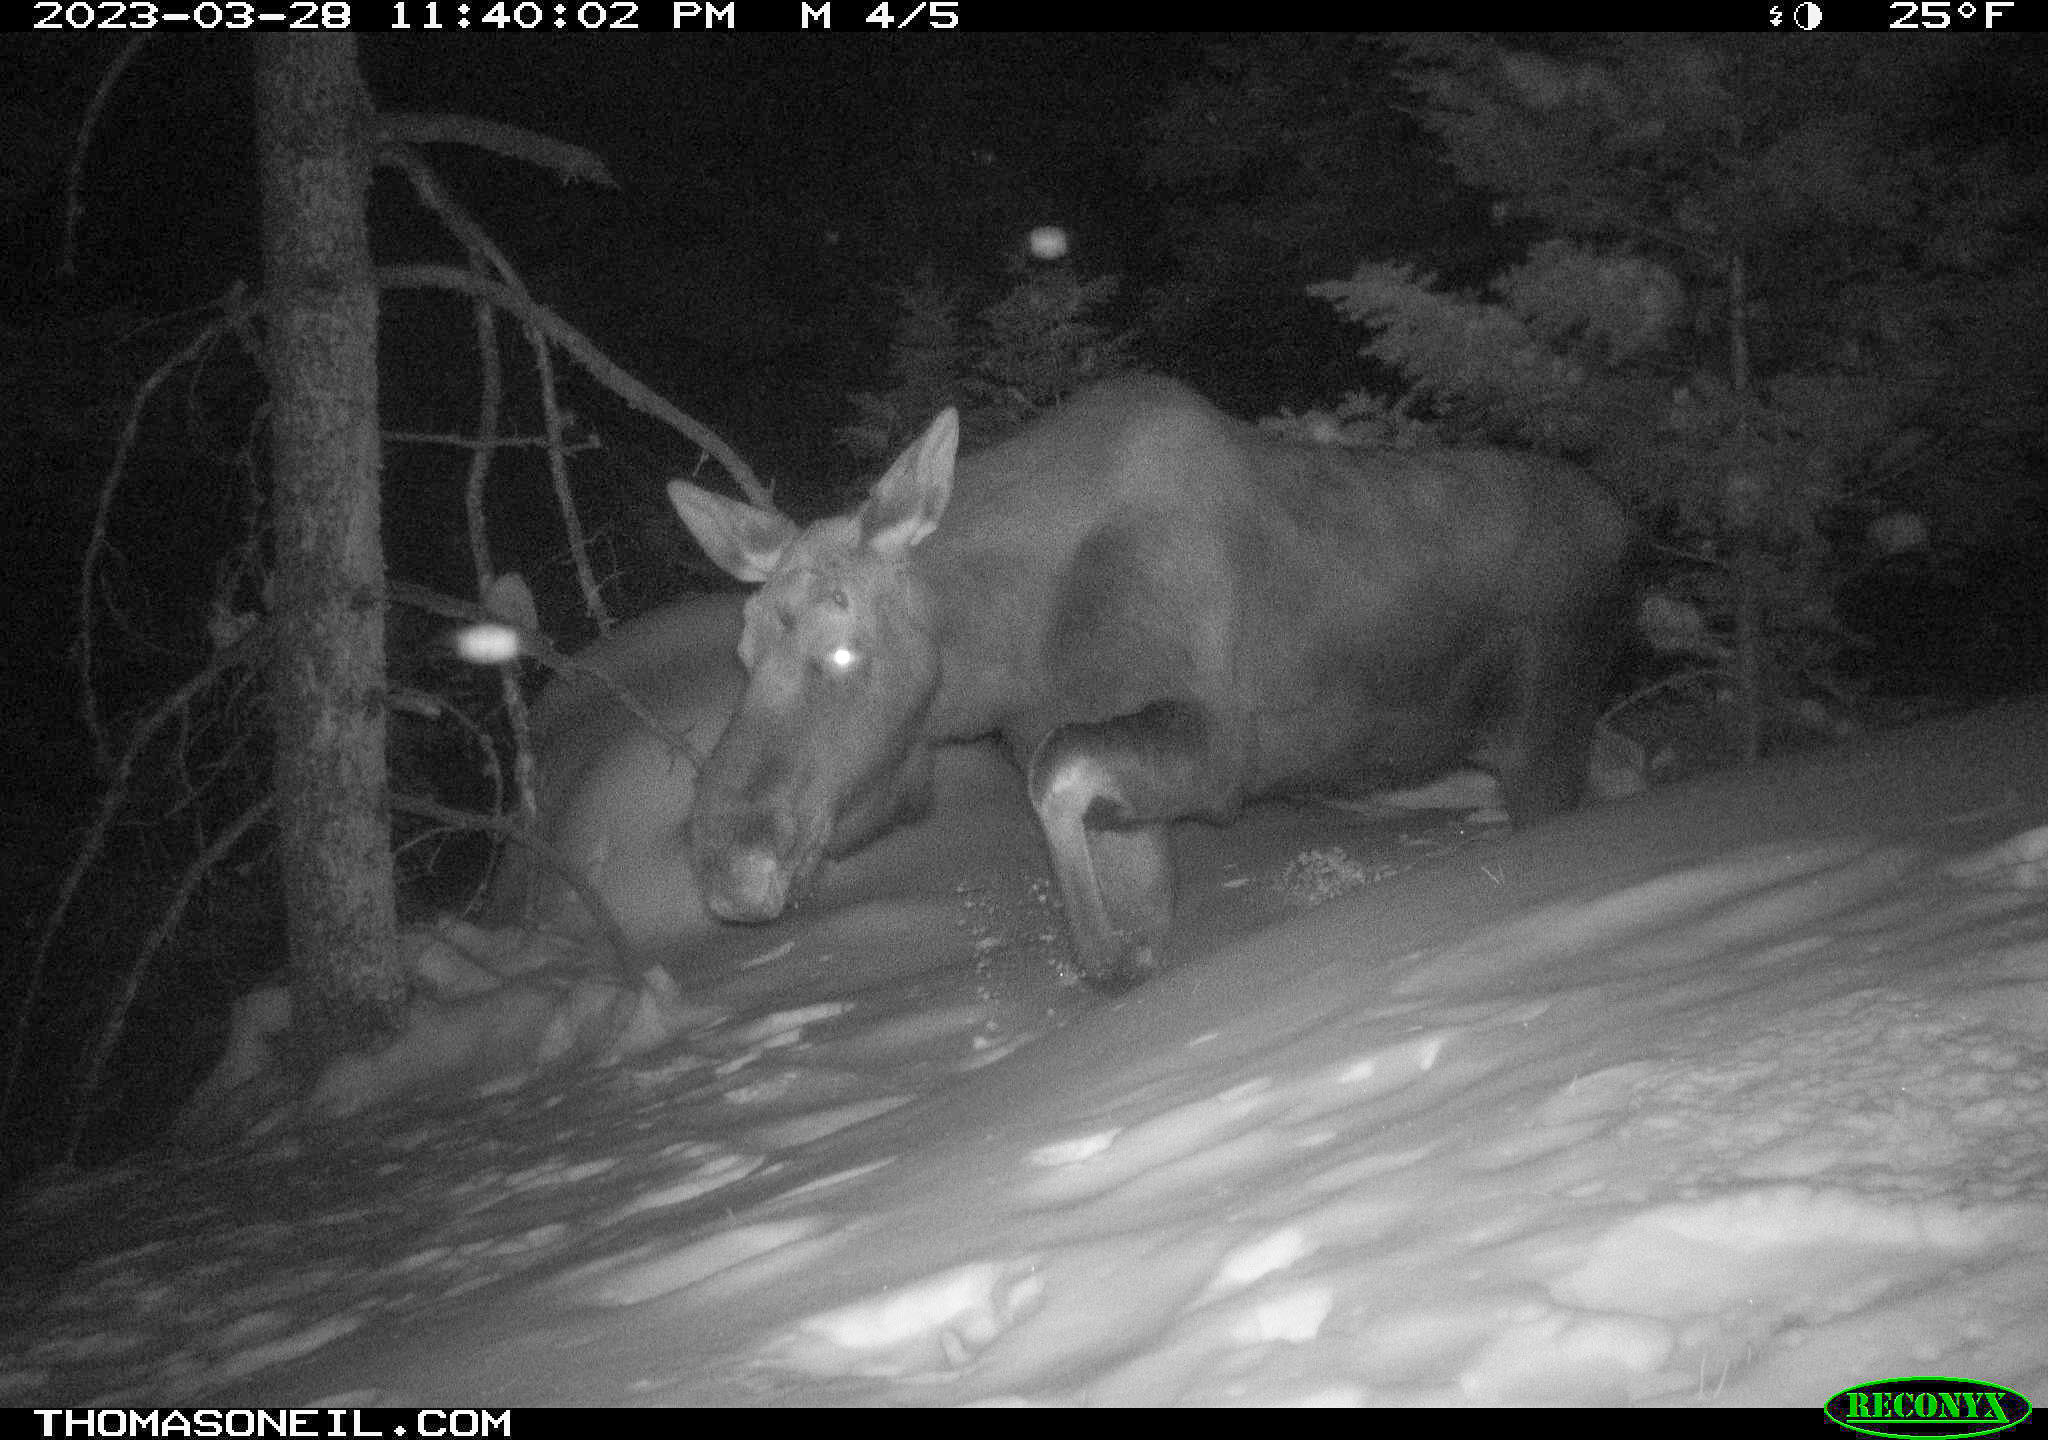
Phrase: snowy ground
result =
(1735, 1093)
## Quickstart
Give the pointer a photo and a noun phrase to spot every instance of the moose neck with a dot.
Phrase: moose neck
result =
(987, 623)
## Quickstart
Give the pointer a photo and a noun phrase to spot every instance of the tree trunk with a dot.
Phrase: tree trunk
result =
(313, 129)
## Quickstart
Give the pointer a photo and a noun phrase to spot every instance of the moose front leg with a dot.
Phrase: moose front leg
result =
(1105, 792)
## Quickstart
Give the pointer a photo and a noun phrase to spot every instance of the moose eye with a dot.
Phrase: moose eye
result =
(841, 659)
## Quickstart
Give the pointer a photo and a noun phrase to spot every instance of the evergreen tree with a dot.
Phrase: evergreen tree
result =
(1744, 309)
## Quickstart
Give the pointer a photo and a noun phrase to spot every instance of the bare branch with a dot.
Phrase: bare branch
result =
(486, 256)
(518, 834)
(249, 650)
(539, 647)
(471, 442)
(167, 924)
(567, 162)
(97, 542)
(74, 209)
(584, 352)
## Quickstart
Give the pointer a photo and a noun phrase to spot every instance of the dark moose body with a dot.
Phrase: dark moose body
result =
(1163, 612)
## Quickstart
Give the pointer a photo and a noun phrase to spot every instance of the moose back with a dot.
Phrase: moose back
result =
(1163, 613)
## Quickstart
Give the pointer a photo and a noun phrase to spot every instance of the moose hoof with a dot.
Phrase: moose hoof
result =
(1124, 966)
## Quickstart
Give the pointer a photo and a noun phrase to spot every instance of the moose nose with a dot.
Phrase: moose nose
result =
(750, 886)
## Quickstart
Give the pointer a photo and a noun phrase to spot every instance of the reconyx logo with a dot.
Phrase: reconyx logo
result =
(1928, 1405)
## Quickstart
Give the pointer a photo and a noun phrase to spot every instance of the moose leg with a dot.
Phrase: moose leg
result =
(1105, 792)
(1550, 734)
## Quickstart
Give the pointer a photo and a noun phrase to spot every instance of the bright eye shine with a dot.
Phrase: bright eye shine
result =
(842, 657)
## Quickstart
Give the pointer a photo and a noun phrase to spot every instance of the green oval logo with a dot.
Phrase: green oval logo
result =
(1928, 1405)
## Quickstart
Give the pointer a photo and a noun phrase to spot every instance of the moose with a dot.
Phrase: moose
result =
(1162, 612)
(613, 793)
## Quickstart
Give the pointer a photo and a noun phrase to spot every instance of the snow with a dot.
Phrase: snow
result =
(1732, 1093)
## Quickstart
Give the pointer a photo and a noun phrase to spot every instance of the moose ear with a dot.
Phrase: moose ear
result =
(906, 503)
(742, 540)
